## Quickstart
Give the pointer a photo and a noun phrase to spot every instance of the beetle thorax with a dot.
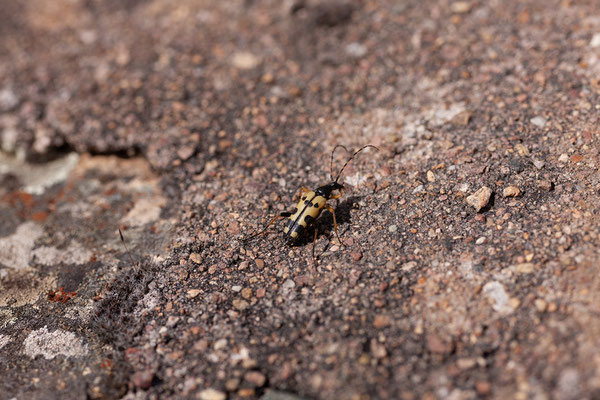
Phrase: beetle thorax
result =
(325, 190)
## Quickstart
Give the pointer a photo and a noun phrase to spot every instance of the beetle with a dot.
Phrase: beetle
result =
(310, 205)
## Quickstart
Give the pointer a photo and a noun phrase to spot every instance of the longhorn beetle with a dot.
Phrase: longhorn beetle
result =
(310, 205)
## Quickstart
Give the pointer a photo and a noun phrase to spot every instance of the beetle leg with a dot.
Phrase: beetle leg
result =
(337, 196)
(302, 190)
(330, 209)
(313, 249)
(284, 214)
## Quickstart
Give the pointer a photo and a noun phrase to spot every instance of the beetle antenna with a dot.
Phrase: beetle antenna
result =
(331, 163)
(126, 249)
(350, 159)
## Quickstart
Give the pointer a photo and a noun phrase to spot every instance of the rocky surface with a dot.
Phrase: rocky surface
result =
(188, 125)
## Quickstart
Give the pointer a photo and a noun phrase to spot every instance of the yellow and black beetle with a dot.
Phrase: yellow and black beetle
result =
(311, 203)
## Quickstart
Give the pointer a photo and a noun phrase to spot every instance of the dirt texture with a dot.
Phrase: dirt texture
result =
(470, 262)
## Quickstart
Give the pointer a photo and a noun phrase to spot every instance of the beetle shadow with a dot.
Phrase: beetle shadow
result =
(325, 225)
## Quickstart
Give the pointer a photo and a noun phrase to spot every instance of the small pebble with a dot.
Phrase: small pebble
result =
(430, 176)
(244, 60)
(435, 344)
(483, 388)
(569, 384)
(466, 363)
(186, 152)
(255, 378)
(356, 255)
(563, 158)
(383, 286)
(481, 240)
(514, 303)
(511, 191)
(220, 344)
(193, 293)
(538, 121)
(143, 379)
(462, 118)
(378, 349)
(211, 394)
(497, 296)
(201, 345)
(243, 265)
(540, 304)
(267, 78)
(544, 185)
(232, 384)
(240, 304)
(525, 268)
(522, 150)
(409, 266)
(381, 321)
(303, 280)
(576, 158)
(249, 363)
(356, 50)
(418, 189)
(538, 164)
(233, 228)
(8, 99)
(246, 392)
(288, 284)
(460, 7)
(480, 198)
(393, 228)
(247, 293)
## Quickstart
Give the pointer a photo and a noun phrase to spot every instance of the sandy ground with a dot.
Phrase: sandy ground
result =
(470, 260)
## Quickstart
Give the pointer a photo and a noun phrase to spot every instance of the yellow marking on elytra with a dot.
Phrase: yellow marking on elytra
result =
(306, 207)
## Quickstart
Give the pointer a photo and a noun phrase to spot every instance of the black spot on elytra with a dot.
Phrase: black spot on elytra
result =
(309, 220)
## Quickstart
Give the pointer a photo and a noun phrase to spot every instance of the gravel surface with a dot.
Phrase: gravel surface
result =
(470, 260)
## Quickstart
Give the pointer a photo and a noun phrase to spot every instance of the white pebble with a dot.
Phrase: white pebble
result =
(244, 60)
(497, 296)
(211, 394)
(538, 121)
(356, 50)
